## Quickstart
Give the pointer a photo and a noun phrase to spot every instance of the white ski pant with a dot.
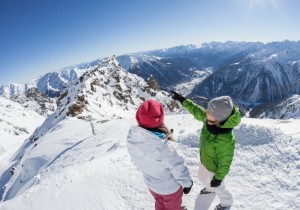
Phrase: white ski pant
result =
(205, 177)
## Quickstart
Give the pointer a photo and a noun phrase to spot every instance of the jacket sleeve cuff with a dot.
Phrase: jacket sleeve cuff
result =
(187, 184)
(217, 177)
(181, 100)
(184, 102)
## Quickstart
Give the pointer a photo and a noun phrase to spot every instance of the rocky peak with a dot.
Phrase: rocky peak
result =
(33, 99)
(104, 93)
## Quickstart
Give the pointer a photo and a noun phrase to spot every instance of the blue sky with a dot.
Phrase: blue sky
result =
(40, 36)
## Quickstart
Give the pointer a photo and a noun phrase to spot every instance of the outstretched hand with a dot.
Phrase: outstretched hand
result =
(177, 96)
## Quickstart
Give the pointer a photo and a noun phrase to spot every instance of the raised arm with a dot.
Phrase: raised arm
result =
(197, 111)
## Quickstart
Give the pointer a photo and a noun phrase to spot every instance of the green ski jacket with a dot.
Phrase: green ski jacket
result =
(216, 151)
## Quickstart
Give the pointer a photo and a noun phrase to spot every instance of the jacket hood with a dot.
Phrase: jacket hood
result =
(234, 119)
(143, 141)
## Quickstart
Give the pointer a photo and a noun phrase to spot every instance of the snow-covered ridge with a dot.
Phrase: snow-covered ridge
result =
(107, 92)
(50, 84)
(204, 47)
(172, 50)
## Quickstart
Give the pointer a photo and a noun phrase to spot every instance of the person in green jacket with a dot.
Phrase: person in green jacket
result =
(217, 143)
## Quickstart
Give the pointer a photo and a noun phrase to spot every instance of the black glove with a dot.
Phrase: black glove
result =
(186, 190)
(215, 182)
(177, 96)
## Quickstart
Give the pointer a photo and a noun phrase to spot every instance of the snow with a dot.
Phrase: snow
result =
(285, 109)
(71, 168)
(17, 123)
(255, 94)
(295, 62)
(127, 61)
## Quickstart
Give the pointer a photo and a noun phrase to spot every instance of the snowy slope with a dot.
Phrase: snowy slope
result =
(283, 109)
(71, 168)
(17, 124)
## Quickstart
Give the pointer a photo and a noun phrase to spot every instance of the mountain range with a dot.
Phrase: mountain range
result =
(252, 73)
(266, 75)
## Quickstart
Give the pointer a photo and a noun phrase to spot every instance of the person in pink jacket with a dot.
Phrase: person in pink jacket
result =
(164, 171)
